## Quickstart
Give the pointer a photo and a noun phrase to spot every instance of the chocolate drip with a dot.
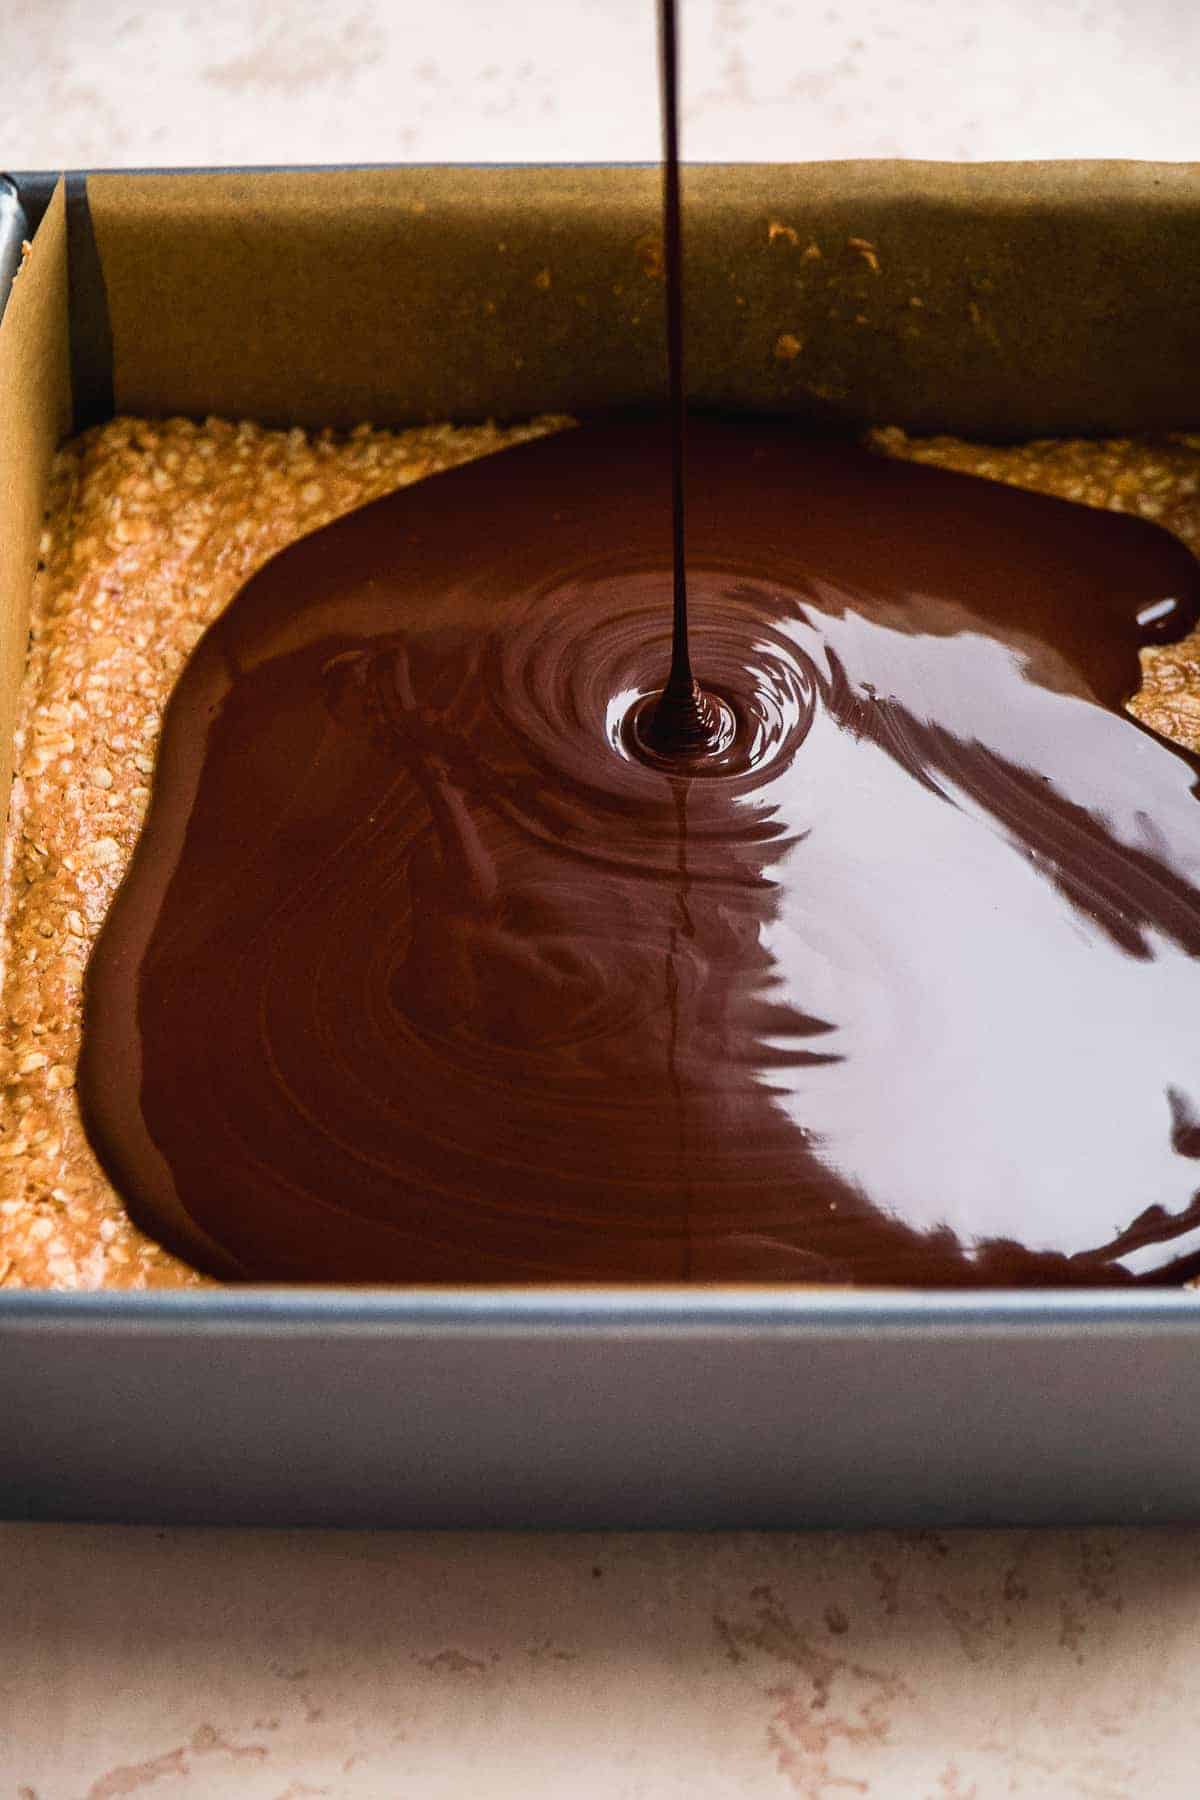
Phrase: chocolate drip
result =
(430, 969)
(686, 722)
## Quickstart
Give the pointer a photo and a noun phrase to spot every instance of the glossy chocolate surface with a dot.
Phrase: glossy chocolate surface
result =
(428, 970)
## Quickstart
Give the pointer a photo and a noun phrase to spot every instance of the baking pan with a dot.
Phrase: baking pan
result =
(1001, 301)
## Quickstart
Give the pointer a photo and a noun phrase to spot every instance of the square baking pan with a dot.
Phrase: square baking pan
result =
(1002, 302)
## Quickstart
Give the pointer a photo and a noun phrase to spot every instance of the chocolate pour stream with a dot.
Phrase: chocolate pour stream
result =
(685, 721)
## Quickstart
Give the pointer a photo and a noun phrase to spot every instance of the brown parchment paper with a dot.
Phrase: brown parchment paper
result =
(35, 412)
(993, 300)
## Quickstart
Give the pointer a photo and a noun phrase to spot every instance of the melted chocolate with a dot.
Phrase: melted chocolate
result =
(428, 971)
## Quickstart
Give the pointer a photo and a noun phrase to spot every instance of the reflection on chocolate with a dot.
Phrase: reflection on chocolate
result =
(427, 970)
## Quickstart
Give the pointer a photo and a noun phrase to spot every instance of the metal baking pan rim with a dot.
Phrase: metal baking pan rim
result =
(602, 1311)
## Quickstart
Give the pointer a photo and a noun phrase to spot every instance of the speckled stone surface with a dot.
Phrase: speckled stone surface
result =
(275, 1666)
(272, 1667)
(123, 83)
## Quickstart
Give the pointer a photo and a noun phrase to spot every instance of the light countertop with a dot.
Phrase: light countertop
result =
(927, 1666)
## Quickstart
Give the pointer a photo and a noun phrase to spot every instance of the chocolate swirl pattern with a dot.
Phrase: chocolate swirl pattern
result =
(429, 969)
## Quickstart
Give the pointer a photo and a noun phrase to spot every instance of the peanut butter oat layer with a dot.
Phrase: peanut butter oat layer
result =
(152, 529)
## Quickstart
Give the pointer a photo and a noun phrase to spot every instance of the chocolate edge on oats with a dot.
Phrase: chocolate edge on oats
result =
(151, 530)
